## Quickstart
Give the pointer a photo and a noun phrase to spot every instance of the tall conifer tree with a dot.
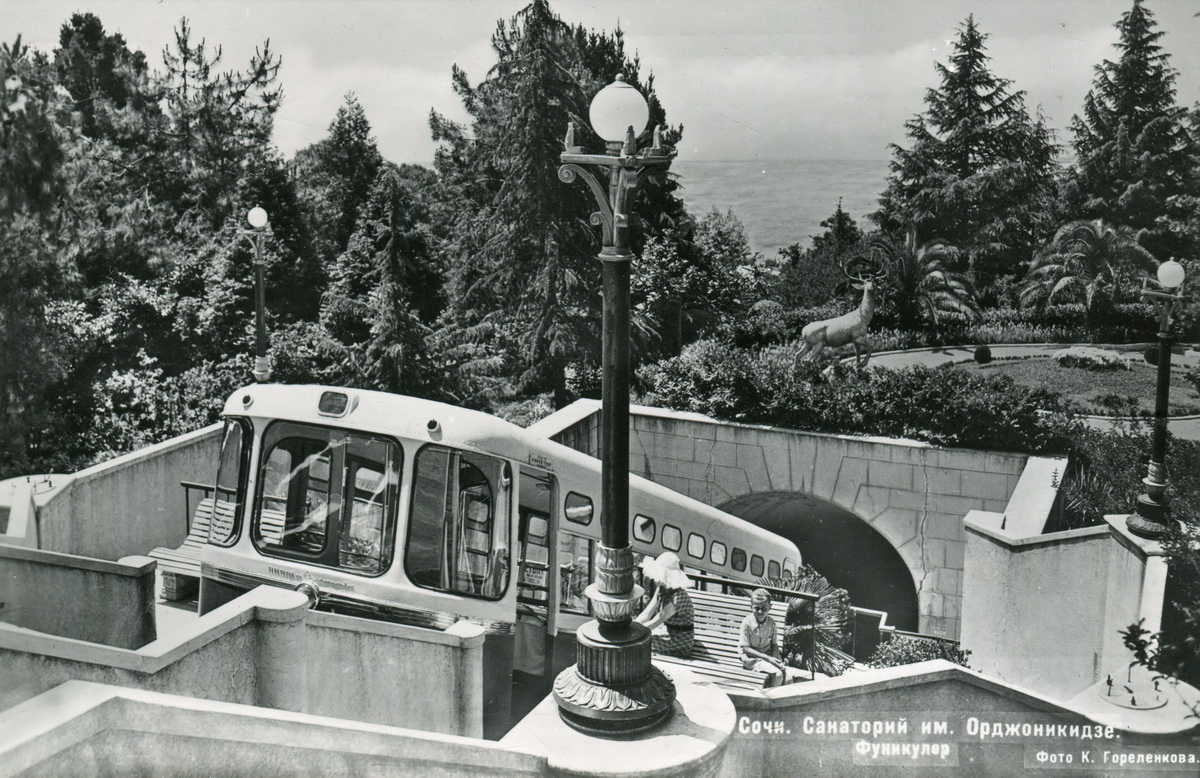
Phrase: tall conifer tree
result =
(523, 275)
(1134, 151)
(979, 172)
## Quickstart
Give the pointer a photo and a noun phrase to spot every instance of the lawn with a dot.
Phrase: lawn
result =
(1088, 387)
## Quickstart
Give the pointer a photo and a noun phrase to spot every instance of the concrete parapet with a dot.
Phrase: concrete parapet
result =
(130, 504)
(82, 728)
(267, 648)
(111, 603)
(1045, 611)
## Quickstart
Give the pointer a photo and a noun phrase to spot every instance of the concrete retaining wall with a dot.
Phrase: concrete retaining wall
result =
(840, 726)
(268, 649)
(1046, 611)
(111, 603)
(83, 728)
(131, 504)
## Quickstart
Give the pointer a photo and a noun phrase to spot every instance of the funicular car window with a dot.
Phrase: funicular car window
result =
(672, 538)
(738, 561)
(458, 527)
(533, 509)
(575, 557)
(328, 497)
(230, 489)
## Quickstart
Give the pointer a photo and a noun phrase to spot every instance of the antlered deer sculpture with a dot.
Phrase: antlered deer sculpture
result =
(849, 327)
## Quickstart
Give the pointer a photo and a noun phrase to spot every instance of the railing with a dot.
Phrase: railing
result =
(779, 594)
(193, 494)
(869, 628)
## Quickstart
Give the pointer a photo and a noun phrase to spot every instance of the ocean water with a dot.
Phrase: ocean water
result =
(783, 202)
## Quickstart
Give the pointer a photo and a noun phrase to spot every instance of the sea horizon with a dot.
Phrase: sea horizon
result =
(781, 202)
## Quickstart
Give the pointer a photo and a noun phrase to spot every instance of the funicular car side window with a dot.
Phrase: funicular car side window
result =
(328, 497)
(459, 523)
(230, 489)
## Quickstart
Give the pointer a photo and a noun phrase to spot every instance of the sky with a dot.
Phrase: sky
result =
(747, 79)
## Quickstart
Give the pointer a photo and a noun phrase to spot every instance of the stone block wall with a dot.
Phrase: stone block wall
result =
(912, 493)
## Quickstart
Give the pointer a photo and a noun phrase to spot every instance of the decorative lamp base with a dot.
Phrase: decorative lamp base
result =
(1152, 518)
(613, 690)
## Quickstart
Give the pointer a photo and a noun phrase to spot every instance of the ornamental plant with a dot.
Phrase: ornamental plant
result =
(1090, 358)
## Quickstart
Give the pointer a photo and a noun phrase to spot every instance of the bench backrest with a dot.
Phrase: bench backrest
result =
(718, 623)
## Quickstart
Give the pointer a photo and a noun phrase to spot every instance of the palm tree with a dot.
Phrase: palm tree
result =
(832, 622)
(920, 287)
(1089, 258)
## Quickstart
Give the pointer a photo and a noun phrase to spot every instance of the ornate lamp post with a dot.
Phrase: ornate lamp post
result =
(1153, 516)
(613, 688)
(257, 217)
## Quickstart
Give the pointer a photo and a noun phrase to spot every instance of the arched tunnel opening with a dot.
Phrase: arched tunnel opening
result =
(840, 546)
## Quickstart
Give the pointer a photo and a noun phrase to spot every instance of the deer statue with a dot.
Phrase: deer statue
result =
(849, 327)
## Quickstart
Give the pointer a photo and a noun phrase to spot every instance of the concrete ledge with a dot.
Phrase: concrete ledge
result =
(265, 603)
(463, 634)
(990, 525)
(117, 464)
(131, 566)
(212, 738)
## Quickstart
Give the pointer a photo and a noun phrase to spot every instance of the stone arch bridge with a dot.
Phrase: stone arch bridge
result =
(880, 517)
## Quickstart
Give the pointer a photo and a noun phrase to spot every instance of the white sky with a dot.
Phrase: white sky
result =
(755, 79)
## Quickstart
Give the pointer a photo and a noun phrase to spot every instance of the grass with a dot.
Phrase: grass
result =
(1089, 388)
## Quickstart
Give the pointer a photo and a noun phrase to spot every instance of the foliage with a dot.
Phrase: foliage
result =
(1099, 262)
(520, 249)
(1105, 469)
(904, 650)
(1135, 153)
(920, 287)
(832, 617)
(979, 172)
(1090, 358)
(812, 276)
(335, 177)
(917, 402)
(983, 355)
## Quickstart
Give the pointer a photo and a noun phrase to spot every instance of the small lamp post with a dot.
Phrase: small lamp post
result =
(1152, 518)
(257, 218)
(613, 688)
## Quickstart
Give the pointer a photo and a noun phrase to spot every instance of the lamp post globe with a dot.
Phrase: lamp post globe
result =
(616, 108)
(257, 217)
(1171, 274)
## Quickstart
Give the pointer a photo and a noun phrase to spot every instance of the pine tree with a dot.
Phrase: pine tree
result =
(1134, 150)
(980, 171)
(218, 120)
(523, 275)
(336, 175)
(379, 288)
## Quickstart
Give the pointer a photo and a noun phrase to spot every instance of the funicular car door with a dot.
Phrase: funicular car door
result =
(537, 586)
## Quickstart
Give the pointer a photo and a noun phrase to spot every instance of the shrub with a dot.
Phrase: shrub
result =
(1090, 358)
(833, 614)
(983, 355)
(903, 650)
(947, 407)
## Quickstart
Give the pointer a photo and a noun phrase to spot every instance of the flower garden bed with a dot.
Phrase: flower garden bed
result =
(1104, 392)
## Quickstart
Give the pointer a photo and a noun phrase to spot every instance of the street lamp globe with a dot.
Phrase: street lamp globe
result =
(257, 218)
(1170, 274)
(616, 108)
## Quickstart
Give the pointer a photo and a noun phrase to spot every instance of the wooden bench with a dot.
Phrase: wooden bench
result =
(718, 623)
(180, 567)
